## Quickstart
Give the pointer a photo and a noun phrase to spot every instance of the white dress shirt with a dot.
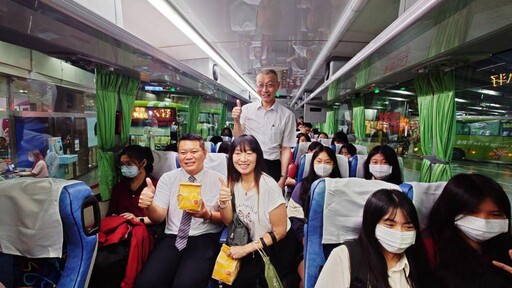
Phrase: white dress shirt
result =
(273, 128)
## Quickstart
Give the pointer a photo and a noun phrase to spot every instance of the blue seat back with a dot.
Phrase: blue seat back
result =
(79, 238)
(300, 149)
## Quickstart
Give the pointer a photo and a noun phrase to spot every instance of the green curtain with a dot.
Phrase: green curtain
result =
(436, 105)
(452, 28)
(222, 119)
(107, 86)
(127, 93)
(443, 84)
(331, 121)
(363, 73)
(194, 105)
(425, 108)
(359, 118)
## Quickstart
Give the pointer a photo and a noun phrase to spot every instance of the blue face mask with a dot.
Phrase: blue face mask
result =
(130, 171)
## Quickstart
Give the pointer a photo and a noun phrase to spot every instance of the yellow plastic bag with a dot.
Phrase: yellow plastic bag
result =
(226, 268)
(189, 196)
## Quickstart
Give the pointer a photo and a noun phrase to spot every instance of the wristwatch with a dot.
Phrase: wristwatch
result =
(141, 219)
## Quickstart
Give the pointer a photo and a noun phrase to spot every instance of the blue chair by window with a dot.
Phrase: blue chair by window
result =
(61, 208)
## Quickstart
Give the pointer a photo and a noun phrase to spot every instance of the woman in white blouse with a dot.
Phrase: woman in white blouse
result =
(388, 252)
(260, 205)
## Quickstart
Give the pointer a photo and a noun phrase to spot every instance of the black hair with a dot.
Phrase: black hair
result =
(138, 154)
(192, 137)
(308, 125)
(245, 143)
(339, 136)
(379, 204)
(351, 149)
(224, 147)
(312, 176)
(314, 145)
(391, 159)
(299, 135)
(455, 258)
(216, 139)
(324, 134)
(226, 131)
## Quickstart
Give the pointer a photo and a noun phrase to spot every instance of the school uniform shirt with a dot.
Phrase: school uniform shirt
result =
(253, 207)
(166, 196)
(273, 128)
(336, 271)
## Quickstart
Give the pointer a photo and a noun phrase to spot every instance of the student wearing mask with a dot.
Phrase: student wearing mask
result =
(382, 164)
(323, 135)
(348, 150)
(323, 164)
(388, 252)
(469, 229)
(135, 164)
(292, 171)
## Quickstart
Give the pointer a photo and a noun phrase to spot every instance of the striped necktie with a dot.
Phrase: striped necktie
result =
(186, 220)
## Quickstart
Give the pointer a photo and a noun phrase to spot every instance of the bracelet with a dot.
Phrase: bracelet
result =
(273, 236)
(222, 206)
(263, 244)
(282, 176)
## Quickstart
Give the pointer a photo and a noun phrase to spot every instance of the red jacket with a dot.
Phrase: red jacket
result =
(116, 228)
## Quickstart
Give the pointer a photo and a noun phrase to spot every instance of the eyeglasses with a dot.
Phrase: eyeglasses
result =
(261, 86)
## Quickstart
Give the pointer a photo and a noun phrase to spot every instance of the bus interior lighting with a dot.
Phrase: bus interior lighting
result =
(399, 92)
(486, 91)
(169, 12)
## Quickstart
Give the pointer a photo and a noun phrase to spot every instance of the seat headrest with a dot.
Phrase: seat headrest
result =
(165, 161)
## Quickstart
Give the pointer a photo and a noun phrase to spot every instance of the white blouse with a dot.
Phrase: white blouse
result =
(336, 272)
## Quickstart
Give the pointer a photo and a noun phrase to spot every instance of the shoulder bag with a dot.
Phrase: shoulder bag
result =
(238, 234)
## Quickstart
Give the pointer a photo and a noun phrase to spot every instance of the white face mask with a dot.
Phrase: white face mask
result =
(394, 241)
(480, 230)
(380, 171)
(130, 171)
(323, 170)
(30, 158)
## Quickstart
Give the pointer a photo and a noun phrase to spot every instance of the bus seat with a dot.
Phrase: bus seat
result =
(335, 216)
(361, 150)
(52, 161)
(336, 148)
(215, 161)
(210, 147)
(60, 207)
(300, 150)
(424, 195)
(165, 161)
(356, 166)
(306, 160)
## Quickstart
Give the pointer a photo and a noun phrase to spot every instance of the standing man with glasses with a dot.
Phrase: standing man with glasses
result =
(186, 254)
(272, 124)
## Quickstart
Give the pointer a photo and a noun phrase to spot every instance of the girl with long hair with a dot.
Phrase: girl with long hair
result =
(260, 205)
(39, 168)
(469, 227)
(323, 164)
(389, 248)
(382, 164)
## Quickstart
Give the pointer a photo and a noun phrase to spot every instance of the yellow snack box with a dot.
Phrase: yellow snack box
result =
(189, 196)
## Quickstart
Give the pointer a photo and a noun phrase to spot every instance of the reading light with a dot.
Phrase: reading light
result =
(175, 18)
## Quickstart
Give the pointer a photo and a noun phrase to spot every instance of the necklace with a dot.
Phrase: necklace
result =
(248, 189)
